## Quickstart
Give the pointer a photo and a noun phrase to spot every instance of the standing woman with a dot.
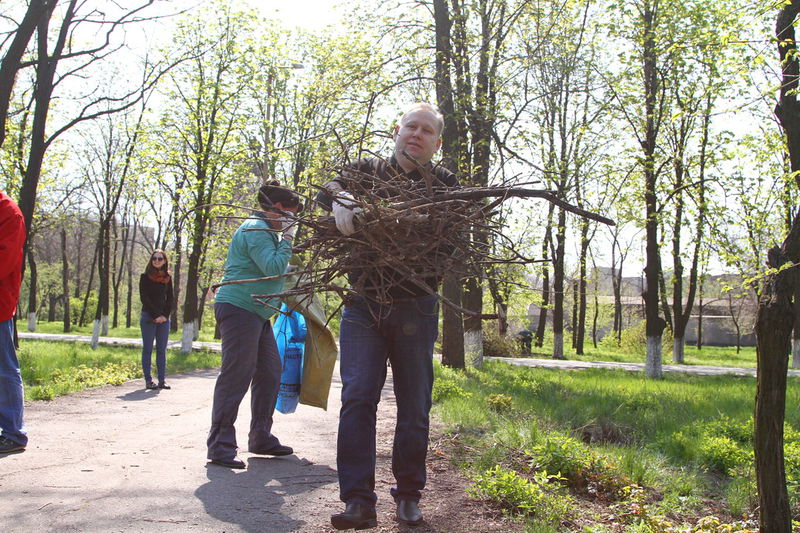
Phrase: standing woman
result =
(155, 290)
(260, 248)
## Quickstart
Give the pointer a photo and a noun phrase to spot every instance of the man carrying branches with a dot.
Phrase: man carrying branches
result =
(392, 316)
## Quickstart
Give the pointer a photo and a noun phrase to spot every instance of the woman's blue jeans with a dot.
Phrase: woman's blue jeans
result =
(11, 393)
(160, 334)
(371, 334)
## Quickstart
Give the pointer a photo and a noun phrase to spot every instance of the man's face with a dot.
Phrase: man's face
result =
(417, 135)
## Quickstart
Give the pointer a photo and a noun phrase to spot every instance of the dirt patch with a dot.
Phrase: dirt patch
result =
(445, 506)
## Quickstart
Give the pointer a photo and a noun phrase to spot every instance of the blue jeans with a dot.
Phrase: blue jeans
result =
(11, 394)
(249, 359)
(160, 333)
(370, 335)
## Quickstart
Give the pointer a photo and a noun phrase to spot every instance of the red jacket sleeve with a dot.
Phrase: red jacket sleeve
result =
(12, 238)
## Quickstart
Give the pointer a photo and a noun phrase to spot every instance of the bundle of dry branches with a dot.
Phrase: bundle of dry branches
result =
(407, 234)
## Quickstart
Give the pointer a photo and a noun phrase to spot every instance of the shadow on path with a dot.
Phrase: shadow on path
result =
(255, 498)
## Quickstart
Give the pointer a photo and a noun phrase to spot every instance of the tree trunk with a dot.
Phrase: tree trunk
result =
(773, 327)
(452, 324)
(37, 10)
(596, 307)
(581, 322)
(654, 324)
(616, 287)
(33, 281)
(574, 318)
(546, 242)
(473, 331)
(45, 74)
(176, 271)
(52, 302)
(558, 287)
(65, 282)
(190, 328)
(796, 328)
(774, 320)
(82, 320)
(129, 276)
(452, 321)
(103, 274)
(700, 309)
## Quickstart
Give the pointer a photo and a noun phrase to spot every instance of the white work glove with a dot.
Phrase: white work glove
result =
(344, 210)
(288, 226)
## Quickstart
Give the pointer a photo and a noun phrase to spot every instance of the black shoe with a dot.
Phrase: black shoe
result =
(277, 451)
(162, 385)
(150, 385)
(229, 463)
(9, 446)
(408, 512)
(355, 516)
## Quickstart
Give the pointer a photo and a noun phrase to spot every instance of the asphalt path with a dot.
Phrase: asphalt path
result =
(122, 458)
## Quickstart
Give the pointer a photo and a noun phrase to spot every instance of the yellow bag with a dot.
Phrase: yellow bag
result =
(320, 352)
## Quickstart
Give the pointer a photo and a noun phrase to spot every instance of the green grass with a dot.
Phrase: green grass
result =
(686, 438)
(707, 355)
(52, 369)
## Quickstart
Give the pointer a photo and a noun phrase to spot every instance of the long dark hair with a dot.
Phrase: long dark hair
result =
(157, 272)
(272, 193)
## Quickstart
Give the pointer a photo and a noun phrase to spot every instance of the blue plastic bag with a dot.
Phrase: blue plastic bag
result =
(290, 334)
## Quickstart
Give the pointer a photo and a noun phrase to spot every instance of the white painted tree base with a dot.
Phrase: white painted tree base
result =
(558, 346)
(188, 336)
(31, 321)
(95, 334)
(473, 348)
(796, 353)
(678, 350)
(654, 358)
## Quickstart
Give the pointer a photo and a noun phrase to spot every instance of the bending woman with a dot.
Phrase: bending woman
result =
(155, 290)
(261, 247)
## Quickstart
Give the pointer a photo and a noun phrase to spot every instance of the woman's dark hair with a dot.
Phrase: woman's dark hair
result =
(272, 193)
(150, 270)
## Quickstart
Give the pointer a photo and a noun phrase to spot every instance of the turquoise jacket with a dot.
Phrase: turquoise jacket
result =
(255, 254)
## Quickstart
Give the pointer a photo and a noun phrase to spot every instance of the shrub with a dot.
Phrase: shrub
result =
(721, 454)
(517, 495)
(496, 345)
(739, 432)
(444, 389)
(791, 455)
(578, 464)
(634, 339)
(499, 402)
(564, 455)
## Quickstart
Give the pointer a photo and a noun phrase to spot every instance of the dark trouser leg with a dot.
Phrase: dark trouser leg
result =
(11, 392)
(162, 338)
(363, 371)
(414, 328)
(264, 392)
(240, 331)
(148, 328)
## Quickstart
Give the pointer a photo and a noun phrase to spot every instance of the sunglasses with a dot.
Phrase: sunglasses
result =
(159, 258)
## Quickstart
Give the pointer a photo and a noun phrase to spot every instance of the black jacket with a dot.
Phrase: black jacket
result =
(156, 297)
(388, 180)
